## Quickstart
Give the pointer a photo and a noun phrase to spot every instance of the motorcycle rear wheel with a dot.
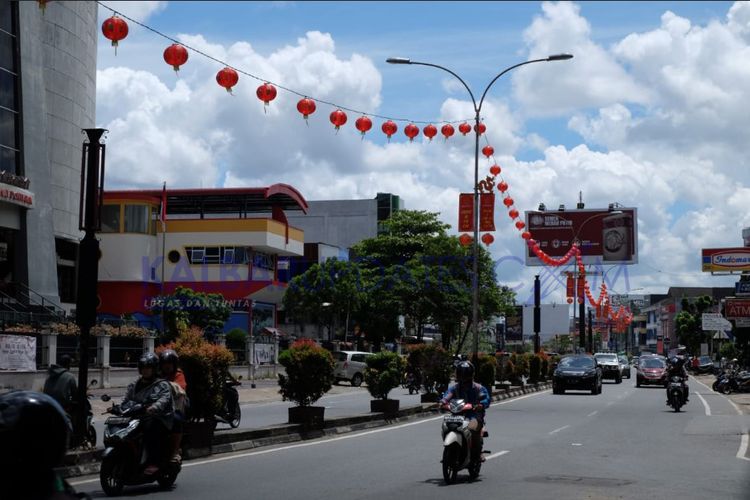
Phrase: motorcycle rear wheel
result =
(474, 469)
(235, 416)
(110, 475)
(167, 480)
(450, 463)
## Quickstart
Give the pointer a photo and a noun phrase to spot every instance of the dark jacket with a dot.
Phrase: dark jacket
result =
(61, 385)
(156, 394)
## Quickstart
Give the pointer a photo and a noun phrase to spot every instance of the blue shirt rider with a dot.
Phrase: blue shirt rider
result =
(476, 394)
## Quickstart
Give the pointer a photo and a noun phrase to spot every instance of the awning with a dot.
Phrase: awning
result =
(267, 330)
(272, 293)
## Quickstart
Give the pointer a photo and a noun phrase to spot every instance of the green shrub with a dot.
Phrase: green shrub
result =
(553, 361)
(434, 363)
(309, 372)
(486, 371)
(535, 366)
(729, 351)
(520, 366)
(543, 373)
(236, 338)
(384, 372)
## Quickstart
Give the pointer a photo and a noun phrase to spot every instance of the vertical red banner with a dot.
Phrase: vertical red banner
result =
(487, 212)
(465, 212)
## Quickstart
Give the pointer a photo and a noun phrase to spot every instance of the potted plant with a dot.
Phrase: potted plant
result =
(435, 365)
(309, 375)
(383, 373)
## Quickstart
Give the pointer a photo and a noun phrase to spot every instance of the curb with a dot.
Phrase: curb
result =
(86, 462)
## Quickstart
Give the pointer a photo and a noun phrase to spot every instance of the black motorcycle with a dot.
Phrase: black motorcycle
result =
(230, 413)
(413, 382)
(676, 393)
(124, 458)
(737, 382)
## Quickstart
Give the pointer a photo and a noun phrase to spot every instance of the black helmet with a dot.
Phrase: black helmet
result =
(33, 431)
(148, 359)
(465, 372)
(169, 356)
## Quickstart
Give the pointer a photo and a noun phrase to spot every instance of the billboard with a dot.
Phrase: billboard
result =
(605, 237)
(514, 326)
(737, 308)
(554, 320)
(725, 259)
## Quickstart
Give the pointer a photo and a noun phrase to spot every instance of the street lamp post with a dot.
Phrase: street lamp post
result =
(477, 110)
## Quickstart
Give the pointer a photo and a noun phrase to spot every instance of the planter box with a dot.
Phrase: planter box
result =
(387, 406)
(197, 438)
(309, 416)
(430, 397)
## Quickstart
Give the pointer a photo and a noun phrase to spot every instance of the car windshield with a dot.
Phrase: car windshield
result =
(606, 357)
(705, 360)
(624, 361)
(339, 356)
(577, 363)
(652, 363)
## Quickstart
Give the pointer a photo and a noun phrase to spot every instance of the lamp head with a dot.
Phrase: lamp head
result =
(560, 57)
(398, 60)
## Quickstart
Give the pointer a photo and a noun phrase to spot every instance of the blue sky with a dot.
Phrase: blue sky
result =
(647, 114)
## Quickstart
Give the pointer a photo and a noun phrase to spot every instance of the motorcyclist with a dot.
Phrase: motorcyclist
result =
(155, 395)
(465, 388)
(168, 365)
(34, 433)
(676, 368)
(61, 385)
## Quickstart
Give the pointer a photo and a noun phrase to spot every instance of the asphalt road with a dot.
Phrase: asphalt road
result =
(623, 444)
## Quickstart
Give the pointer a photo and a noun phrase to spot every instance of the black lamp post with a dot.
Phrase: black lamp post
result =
(477, 110)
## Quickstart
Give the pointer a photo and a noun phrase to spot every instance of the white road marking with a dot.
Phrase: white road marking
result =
(593, 413)
(705, 404)
(322, 441)
(498, 454)
(576, 444)
(742, 452)
(558, 430)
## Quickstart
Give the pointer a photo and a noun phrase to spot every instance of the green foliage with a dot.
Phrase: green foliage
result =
(309, 372)
(186, 307)
(206, 367)
(434, 363)
(543, 373)
(729, 351)
(520, 366)
(384, 372)
(236, 338)
(688, 322)
(535, 367)
(486, 371)
(553, 361)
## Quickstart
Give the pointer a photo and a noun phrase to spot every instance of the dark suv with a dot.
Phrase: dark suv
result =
(577, 372)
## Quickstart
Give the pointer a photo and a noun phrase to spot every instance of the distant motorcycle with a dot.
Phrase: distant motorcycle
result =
(457, 442)
(230, 413)
(676, 393)
(738, 382)
(413, 383)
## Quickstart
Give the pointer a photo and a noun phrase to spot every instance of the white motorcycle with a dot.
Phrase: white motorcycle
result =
(457, 442)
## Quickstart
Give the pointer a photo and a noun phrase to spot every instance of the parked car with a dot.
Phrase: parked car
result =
(577, 372)
(624, 366)
(350, 366)
(705, 365)
(610, 366)
(651, 370)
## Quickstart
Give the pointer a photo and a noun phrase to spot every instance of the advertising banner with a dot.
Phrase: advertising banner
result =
(465, 212)
(514, 326)
(737, 308)
(487, 212)
(604, 236)
(715, 321)
(264, 353)
(725, 259)
(17, 352)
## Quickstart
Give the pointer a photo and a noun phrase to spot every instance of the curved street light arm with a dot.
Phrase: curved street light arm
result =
(473, 100)
(481, 101)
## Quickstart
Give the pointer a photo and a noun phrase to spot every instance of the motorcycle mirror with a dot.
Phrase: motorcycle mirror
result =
(105, 398)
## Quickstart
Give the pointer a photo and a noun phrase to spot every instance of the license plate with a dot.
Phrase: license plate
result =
(117, 420)
(454, 420)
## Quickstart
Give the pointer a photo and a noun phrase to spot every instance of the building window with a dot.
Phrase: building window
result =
(10, 119)
(213, 255)
(136, 219)
(217, 255)
(110, 219)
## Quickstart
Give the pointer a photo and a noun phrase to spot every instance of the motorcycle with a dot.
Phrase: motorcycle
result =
(124, 457)
(87, 438)
(230, 413)
(413, 383)
(721, 382)
(676, 393)
(457, 442)
(738, 382)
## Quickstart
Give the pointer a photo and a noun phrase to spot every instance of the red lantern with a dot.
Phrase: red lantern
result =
(502, 187)
(482, 128)
(488, 151)
(495, 170)
(43, 4)
(465, 239)
(430, 131)
(338, 118)
(513, 214)
(411, 131)
(520, 225)
(487, 239)
(306, 106)
(526, 235)
(570, 300)
(115, 29)
(363, 124)
(266, 93)
(464, 128)
(570, 286)
(508, 201)
(227, 78)
(175, 55)
(389, 128)
(447, 130)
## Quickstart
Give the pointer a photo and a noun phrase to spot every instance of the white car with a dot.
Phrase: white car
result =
(610, 366)
(350, 366)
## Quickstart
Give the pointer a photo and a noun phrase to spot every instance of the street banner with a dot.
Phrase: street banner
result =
(715, 321)
(487, 212)
(264, 353)
(514, 325)
(17, 352)
(725, 259)
(465, 212)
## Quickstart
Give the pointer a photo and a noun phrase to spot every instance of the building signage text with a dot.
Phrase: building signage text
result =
(16, 195)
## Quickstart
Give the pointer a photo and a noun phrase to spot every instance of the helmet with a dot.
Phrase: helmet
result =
(148, 359)
(465, 372)
(169, 356)
(33, 431)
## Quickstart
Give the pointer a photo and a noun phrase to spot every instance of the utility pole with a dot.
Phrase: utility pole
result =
(537, 314)
(591, 334)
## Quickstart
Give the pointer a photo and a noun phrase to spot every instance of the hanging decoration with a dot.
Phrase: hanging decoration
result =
(487, 239)
(488, 151)
(465, 239)
(338, 118)
(227, 78)
(447, 130)
(411, 131)
(175, 55)
(464, 128)
(266, 93)
(389, 128)
(513, 213)
(482, 128)
(430, 131)
(502, 187)
(495, 169)
(520, 224)
(43, 5)
(508, 201)
(115, 29)
(363, 124)
(570, 288)
(306, 107)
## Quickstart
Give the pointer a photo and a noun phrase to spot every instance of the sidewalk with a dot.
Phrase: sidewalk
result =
(742, 400)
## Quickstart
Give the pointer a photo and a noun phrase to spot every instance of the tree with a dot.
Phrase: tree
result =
(186, 307)
(688, 323)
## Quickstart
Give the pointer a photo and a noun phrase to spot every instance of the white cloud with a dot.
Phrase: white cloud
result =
(140, 11)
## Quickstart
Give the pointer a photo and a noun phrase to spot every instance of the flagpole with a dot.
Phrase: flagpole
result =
(163, 219)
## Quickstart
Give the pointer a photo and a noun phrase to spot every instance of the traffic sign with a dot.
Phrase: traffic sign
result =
(742, 288)
(715, 321)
